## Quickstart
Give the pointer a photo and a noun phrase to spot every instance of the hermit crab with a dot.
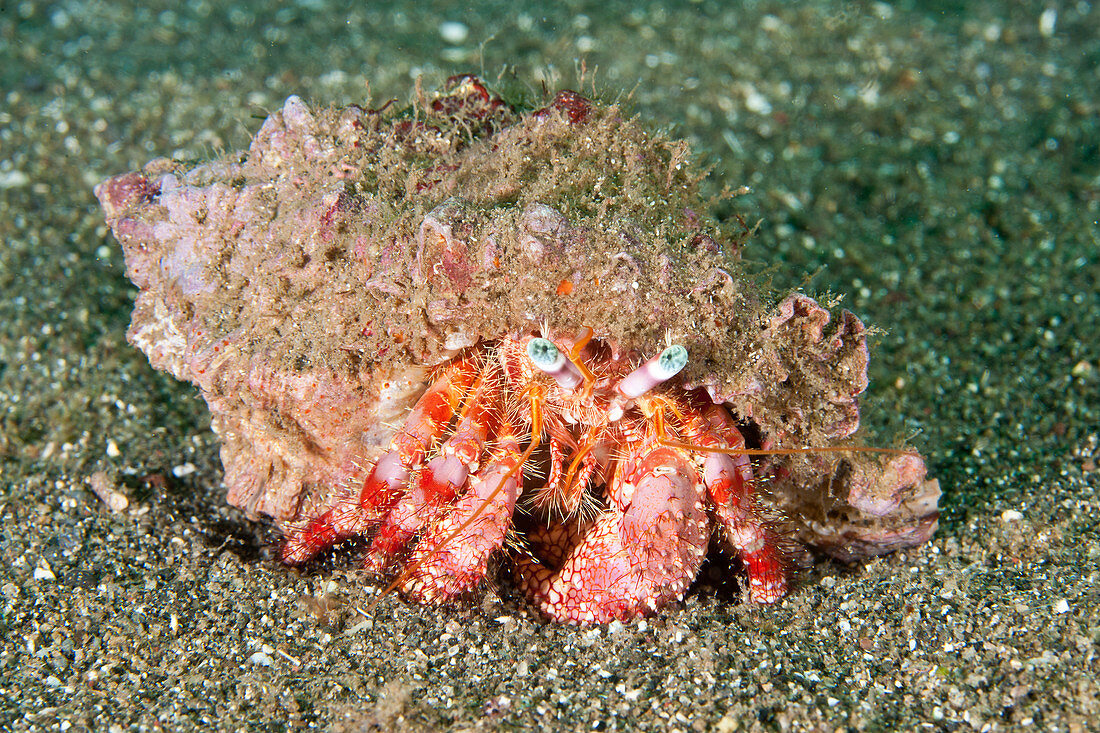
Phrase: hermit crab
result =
(638, 553)
(488, 335)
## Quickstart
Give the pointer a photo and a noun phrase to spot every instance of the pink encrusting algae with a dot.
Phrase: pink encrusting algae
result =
(476, 335)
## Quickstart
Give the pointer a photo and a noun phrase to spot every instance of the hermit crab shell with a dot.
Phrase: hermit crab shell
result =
(308, 286)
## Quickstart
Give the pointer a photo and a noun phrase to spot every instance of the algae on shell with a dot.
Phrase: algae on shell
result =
(308, 285)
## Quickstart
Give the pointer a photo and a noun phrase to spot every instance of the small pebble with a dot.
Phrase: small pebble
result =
(1062, 606)
(184, 469)
(1047, 19)
(44, 572)
(104, 488)
(727, 724)
(1011, 515)
(453, 31)
(261, 659)
(1082, 369)
(13, 179)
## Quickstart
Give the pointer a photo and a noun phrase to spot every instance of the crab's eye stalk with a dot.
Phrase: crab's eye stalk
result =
(548, 358)
(657, 370)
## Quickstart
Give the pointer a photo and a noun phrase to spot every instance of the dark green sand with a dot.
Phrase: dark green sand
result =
(941, 172)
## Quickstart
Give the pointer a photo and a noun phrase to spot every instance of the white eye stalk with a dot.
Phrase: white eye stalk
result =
(548, 358)
(657, 370)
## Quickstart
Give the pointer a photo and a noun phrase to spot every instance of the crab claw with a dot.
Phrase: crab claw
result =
(452, 557)
(637, 556)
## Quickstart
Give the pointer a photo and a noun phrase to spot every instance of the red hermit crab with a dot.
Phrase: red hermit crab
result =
(602, 415)
(479, 335)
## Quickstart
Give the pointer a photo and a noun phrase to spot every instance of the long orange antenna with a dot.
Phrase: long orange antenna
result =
(662, 438)
(735, 451)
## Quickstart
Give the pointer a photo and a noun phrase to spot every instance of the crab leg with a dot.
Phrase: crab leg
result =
(637, 556)
(355, 513)
(557, 458)
(439, 481)
(564, 491)
(729, 481)
(452, 557)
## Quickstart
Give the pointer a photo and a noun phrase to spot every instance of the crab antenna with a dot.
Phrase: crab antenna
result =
(548, 358)
(659, 369)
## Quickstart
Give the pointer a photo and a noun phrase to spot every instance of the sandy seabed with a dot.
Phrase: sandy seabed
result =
(938, 171)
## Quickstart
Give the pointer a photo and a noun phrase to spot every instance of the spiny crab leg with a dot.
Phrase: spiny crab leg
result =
(727, 473)
(452, 557)
(728, 478)
(355, 513)
(444, 476)
(573, 485)
(535, 402)
(729, 481)
(560, 495)
(553, 478)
